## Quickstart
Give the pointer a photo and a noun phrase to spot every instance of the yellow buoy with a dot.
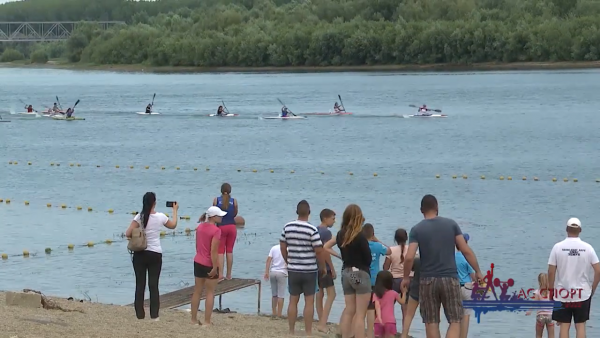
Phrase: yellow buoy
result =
(195, 169)
(110, 211)
(1, 200)
(89, 208)
(7, 201)
(166, 214)
(575, 180)
(48, 205)
(71, 164)
(186, 217)
(97, 166)
(437, 176)
(239, 170)
(501, 178)
(26, 202)
(271, 171)
(130, 167)
(16, 163)
(176, 168)
(48, 250)
(28, 163)
(565, 180)
(465, 177)
(322, 173)
(163, 234)
(134, 212)
(58, 164)
(351, 173)
(292, 172)
(70, 246)
(207, 169)
(254, 170)
(554, 179)
(509, 178)
(162, 168)
(454, 176)
(536, 179)
(108, 241)
(52, 164)
(4, 256)
(25, 253)
(90, 244)
(482, 177)
(64, 206)
(79, 165)
(79, 208)
(524, 178)
(10, 162)
(147, 167)
(375, 174)
(117, 167)
(188, 230)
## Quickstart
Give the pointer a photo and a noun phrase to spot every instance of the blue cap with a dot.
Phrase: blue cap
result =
(466, 236)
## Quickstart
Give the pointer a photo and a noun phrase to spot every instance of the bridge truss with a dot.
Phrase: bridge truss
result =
(44, 31)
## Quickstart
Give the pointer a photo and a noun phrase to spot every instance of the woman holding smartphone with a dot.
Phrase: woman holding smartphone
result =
(149, 261)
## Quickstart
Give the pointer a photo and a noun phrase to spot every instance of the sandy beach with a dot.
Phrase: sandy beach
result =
(103, 320)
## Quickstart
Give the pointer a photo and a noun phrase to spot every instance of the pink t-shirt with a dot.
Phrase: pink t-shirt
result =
(204, 236)
(387, 306)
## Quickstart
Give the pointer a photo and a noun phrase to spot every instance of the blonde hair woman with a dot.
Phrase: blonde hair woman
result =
(356, 280)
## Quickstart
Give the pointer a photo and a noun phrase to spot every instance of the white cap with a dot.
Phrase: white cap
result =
(215, 211)
(574, 222)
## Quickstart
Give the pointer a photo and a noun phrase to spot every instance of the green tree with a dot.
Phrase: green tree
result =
(10, 55)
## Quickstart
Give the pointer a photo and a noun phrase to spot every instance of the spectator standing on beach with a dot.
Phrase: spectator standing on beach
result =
(436, 239)
(303, 252)
(385, 298)
(206, 268)
(395, 263)
(412, 301)
(568, 268)
(378, 250)
(356, 280)
(466, 276)
(149, 261)
(228, 229)
(543, 318)
(326, 285)
(276, 273)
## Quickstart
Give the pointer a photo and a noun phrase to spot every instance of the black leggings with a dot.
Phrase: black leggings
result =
(152, 263)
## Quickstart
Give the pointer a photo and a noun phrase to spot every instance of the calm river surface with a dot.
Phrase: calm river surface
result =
(533, 124)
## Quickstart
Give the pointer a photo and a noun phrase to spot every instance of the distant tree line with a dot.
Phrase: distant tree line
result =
(255, 33)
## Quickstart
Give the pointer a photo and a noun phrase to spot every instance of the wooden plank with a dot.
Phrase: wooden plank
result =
(183, 296)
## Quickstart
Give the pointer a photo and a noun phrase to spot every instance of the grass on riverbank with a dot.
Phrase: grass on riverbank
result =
(62, 64)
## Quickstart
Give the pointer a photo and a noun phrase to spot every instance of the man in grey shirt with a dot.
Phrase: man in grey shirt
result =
(436, 238)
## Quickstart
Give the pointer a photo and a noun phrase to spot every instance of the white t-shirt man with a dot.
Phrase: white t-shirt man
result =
(573, 259)
(277, 261)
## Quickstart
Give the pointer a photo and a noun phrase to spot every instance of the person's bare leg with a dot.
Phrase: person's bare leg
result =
(319, 303)
(229, 264)
(432, 330)
(550, 328)
(209, 303)
(280, 307)
(539, 330)
(220, 261)
(274, 305)
(199, 284)
(326, 309)
(580, 330)
(453, 330)
(347, 320)
(362, 303)
(309, 313)
(464, 326)
(564, 330)
(411, 309)
(293, 313)
(370, 323)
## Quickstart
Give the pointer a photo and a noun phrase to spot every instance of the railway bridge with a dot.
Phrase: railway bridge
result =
(45, 31)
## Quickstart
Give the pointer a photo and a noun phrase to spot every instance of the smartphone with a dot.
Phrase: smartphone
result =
(170, 204)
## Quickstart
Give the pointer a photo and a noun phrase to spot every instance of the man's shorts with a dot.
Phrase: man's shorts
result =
(433, 291)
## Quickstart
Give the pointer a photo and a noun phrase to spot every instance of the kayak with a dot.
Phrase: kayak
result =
(224, 115)
(28, 114)
(68, 118)
(284, 118)
(329, 114)
(51, 115)
(432, 115)
(144, 113)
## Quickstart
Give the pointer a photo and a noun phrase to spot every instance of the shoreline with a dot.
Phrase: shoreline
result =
(139, 68)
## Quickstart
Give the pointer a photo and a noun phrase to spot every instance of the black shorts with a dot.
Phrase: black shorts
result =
(202, 271)
(325, 281)
(372, 301)
(578, 312)
(302, 283)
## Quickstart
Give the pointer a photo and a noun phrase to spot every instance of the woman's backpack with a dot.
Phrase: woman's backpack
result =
(137, 242)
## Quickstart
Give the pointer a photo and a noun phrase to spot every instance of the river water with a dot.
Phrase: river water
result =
(532, 124)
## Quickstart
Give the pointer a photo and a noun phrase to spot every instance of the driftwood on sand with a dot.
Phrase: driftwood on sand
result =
(49, 304)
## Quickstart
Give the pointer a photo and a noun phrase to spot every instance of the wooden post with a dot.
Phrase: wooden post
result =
(259, 288)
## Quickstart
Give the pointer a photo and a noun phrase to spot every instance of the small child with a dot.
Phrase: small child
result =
(544, 316)
(276, 272)
(385, 298)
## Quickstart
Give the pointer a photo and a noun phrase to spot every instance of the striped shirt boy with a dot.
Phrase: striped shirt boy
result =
(301, 238)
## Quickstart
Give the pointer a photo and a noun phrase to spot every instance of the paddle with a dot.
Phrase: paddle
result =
(224, 106)
(435, 110)
(58, 101)
(283, 104)
(341, 102)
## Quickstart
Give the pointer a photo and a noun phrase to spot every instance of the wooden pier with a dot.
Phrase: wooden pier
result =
(181, 297)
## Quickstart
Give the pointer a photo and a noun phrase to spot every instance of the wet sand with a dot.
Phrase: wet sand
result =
(103, 320)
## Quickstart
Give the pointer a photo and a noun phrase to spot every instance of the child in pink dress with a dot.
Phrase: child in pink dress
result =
(385, 298)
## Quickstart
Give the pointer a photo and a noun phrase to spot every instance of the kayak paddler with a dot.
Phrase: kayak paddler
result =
(337, 108)
(284, 111)
(70, 112)
(29, 108)
(55, 108)
(220, 111)
(149, 108)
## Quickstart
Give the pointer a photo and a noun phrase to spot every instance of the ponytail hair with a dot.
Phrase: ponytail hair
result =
(401, 237)
(148, 202)
(203, 218)
(225, 196)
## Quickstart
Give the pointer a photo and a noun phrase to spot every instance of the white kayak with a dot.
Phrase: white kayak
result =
(28, 114)
(64, 118)
(428, 115)
(284, 118)
(144, 113)
(224, 115)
